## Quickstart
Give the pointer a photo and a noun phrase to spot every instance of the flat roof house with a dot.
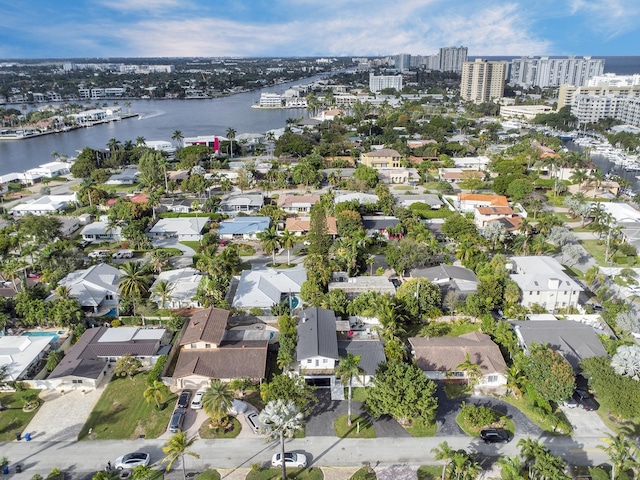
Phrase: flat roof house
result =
(44, 205)
(19, 355)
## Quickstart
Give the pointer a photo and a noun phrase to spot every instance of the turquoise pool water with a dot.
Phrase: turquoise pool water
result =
(37, 333)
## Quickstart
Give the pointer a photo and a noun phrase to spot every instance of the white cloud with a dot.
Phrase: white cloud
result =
(144, 5)
(608, 18)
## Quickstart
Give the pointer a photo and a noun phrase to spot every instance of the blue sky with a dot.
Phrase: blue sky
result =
(212, 28)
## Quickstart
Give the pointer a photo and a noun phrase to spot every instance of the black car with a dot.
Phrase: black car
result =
(183, 399)
(585, 400)
(494, 435)
(177, 419)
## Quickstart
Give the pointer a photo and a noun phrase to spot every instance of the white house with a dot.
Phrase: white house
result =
(20, 354)
(96, 288)
(101, 231)
(184, 286)
(542, 281)
(186, 228)
(44, 205)
(317, 350)
(265, 287)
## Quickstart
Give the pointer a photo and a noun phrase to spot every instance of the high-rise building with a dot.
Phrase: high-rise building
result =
(452, 58)
(380, 82)
(403, 62)
(482, 81)
(546, 72)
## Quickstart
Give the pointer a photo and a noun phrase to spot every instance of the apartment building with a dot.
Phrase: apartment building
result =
(452, 58)
(546, 72)
(380, 82)
(482, 81)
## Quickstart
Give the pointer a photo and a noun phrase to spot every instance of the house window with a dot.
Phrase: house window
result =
(530, 293)
(309, 361)
(566, 293)
(458, 374)
(324, 360)
(492, 378)
(76, 381)
(317, 362)
(207, 345)
(193, 345)
(538, 292)
(109, 297)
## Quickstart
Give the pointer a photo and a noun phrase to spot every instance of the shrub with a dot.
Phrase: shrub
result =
(156, 371)
(477, 417)
(256, 311)
(116, 323)
(435, 329)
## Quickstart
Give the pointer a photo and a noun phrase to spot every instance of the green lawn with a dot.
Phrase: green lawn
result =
(597, 249)
(544, 422)
(209, 475)
(123, 413)
(13, 419)
(461, 327)
(361, 427)
(419, 429)
(429, 472)
(194, 244)
(208, 433)
(358, 394)
(297, 473)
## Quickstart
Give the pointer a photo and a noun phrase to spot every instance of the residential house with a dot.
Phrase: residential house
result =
(128, 176)
(573, 340)
(379, 224)
(543, 281)
(298, 204)
(383, 158)
(398, 175)
(86, 364)
(206, 354)
(101, 231)
(429, 199)
(457, 175)
(68, 225)
(449, 278)
(96, 288)
(371, 353)
(243, 227)
(468, 202)
(354, 286)
(317, 350)
(363, 198)
(440, 359)
(300, 225)
(472, 163)
(44, 205)
(263, 288)
(21, 355)
(178, 205)
(485, 215)
(183, 283)
(241, 202)
(186, 228)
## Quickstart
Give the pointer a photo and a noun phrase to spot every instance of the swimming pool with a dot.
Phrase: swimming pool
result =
(39, 333)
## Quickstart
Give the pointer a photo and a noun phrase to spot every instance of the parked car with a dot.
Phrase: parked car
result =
(98, 254)
(132, 460)
(585, 400)
(494, 435)
(85, 243)
(223, 243)
(291, 459)
(122, 254)
(254, 422)
(570, 403)
(183, 399)
(177, 419)
(196, 402)
(237, 407)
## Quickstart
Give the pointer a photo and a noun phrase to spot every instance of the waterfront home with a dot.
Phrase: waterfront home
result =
(95, 288)
(44, 205)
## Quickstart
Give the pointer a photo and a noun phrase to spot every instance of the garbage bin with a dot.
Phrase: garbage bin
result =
(18, 468)
(5, 469)
(18, 436)
(27, 436)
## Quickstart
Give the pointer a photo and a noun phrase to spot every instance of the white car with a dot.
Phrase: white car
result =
(98, 254)
(196, 402)
(254, 422)
(237, 407)
(296, 460)
(132, 460)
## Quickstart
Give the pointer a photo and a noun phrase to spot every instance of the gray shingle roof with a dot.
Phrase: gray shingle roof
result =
(317, 334)
(371, 353)
(206, 325)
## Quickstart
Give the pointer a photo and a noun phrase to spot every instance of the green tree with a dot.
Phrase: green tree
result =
(622, 452)
(156, 393)
(348, 368)
(289, 387)
(402, 391)
(150, 169)
(178, 137)
(231, 135)
(127, 365)
(176, 448)
(163, 290)
(135, 280)
(53, 359)
(549, 373)
(216, 400)
(270, 241)
(288, 241)
(280, 419)
(472, 370)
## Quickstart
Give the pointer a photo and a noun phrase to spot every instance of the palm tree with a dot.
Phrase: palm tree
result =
(510, 468)
(531, 450)
(579, 176)
(176, 448)
(596, 177)
(142, 472)
(473, 370)
(281, 419)
(177, 136)
(622, 452)
(270, 241)
(63, 292)
(231, 134)
(135, 280)
(288, 241)
(216, 401)
(140, 141)
(113, 144)
(155, 393)
(128, 105)
(348, 368)
(443, 452)
(163, 290)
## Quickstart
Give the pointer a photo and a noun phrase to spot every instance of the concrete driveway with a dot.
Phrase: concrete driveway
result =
(61, 417)
(586, 424)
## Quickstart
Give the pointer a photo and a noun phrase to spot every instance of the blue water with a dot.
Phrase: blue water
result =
(43, 334)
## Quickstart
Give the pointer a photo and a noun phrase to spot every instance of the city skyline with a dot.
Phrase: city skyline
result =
(260, 28)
